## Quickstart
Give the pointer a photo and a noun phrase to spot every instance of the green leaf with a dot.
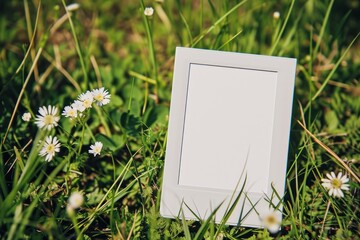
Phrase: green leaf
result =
(157, 114)
(108, 142)
(130, 123)
(133, 93)
(116, 101)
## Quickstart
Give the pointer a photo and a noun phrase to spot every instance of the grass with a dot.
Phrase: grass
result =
(49, 55)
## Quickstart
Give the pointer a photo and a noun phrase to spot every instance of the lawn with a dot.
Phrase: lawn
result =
(84, 105)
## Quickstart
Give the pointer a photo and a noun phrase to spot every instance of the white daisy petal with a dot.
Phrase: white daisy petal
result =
(339, 175)
(344, 179)
(340, 193)
(328, 176)
(42, 111)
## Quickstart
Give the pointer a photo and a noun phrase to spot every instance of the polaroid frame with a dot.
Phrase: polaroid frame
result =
(229, 128)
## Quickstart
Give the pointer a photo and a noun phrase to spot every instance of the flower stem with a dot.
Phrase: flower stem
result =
(76, 227)
(152, 53)
(82, 138)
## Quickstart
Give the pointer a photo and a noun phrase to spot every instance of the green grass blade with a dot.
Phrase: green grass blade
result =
(19, 158)
(206, 224)
(77, 45)
(230, 40)
(282, 28)
(3, 187)
(185, 226)
(212, 27)
(183, 19)
(31, 41)
(324, 84)
(322, 30)
(29, 210)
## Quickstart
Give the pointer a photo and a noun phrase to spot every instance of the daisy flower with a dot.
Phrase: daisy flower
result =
(149, 11)
(101, 96)
(47, 118)
(78, 106)
(271, 220)
(70, 112)
(96, 148)
(51, 146)
(276, 15)
(87, 99)
(26, 117)
(335, 184)
(76, 199)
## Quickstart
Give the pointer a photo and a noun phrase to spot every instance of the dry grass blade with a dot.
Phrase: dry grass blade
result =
(326, 148)
(132, 227)
(62, 70)
(96, 69)
(142, 77)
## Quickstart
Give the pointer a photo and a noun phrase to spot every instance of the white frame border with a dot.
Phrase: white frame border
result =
(173, 195)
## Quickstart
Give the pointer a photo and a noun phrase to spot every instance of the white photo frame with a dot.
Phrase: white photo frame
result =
(229, 121)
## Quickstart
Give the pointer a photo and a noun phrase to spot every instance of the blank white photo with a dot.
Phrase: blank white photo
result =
(228, 127)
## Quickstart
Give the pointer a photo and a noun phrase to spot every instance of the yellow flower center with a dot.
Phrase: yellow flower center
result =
(50, 148)
(270, 220)
(72, 113)
(87, 103)
(99, 97)
(49, 119)
(97, 149)
(336, 183)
